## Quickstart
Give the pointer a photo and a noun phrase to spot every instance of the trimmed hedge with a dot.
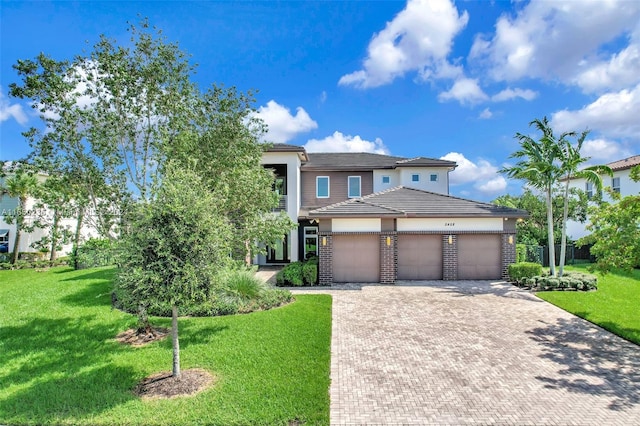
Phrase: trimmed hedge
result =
(523, 270)
(570, 281)
(298, 274)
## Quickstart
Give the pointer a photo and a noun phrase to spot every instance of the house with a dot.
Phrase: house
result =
(381, 218)
(620, 182)
(8, 208)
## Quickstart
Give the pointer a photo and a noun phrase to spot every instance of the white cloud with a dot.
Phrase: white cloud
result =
(559, 40)
(418, 39)
(339, 142)
(618, 72)
(615, 114)
(485, 114)
(9, 110)
(482, 174)
(282, 125)
(604, 151)
(508, 94)
(323, 97)
(465, 91)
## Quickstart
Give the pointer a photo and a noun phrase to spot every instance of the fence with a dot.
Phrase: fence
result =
(573, 255)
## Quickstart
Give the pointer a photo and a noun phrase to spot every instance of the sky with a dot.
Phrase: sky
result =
(437, 78)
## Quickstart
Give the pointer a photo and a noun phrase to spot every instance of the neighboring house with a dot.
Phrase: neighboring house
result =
(9, 205)
(620, 182)
(380, 218)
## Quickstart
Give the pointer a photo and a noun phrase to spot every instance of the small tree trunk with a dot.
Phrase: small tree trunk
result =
(563, 241)
(54, 236)
(247, 257)
(176, 344)
(76, 236)
(19, 220)
(552, 248)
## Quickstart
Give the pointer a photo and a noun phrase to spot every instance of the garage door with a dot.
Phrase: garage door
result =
(356, 258)
(419, 257)
(479, 257)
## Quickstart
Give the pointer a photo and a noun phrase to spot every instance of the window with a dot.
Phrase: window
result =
(354, 187)
(415, 178)
(588, 188)
(433, 178)
(615, 184)
(386, 179)
(322, 187)
(4, 240)
(310, 241)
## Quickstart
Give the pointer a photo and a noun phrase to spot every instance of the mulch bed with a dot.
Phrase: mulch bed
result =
(164, 385)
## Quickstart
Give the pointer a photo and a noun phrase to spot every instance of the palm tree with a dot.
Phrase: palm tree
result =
(540, 166)
(21, 185)
(571, 161)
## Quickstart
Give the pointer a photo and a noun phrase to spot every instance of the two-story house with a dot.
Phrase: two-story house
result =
(620, 182)
(381, 218)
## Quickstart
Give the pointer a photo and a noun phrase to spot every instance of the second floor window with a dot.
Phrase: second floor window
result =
(588, 188)
(354, 187)
(615, 184)
(415, 177)
(322, 187)
(433, 177)
(386, 179)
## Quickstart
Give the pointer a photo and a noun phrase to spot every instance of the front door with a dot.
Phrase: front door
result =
(278, 253)
(310, 241)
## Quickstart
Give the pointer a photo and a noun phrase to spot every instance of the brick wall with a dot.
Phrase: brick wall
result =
(449, 258)
(325, 253)
(508, 253)
(388, 258)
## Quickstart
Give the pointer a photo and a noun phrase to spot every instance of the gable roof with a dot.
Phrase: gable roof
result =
(625, 163)
(402, 201)
(368, 161)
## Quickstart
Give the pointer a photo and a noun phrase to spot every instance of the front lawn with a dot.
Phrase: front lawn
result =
(62, 365)
(614, 306)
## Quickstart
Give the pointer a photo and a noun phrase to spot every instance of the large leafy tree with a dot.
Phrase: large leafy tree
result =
(539, 165)
(533, 230)
(572, 161)
(21, 184)
(616, 231)
(174, 246)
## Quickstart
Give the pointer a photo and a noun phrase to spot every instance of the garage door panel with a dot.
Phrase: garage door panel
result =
(356, 258)
(479, 257)
(419, 257)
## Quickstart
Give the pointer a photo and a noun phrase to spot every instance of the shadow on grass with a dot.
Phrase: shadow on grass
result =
(591, 360)
(63, 367)
(97, 293)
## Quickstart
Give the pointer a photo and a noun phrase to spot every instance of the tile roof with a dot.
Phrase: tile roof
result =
(409, 202)
(368, 161)
(626, 163)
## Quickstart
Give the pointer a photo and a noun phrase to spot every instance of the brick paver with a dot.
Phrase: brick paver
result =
(474, 352)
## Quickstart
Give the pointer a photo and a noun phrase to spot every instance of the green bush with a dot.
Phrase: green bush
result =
(310, 272)
(518, 272)
(521, 253)
(292, 274)
(571, 281)
(95, 252)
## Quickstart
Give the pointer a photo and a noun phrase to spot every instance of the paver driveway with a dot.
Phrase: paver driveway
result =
(474, 352)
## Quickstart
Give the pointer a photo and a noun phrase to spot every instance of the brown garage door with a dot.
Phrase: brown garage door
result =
(419, 257)
(356, 258)
(479, 257)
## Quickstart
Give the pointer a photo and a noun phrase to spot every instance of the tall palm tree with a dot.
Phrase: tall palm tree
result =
(540, 166)
(21, 185)
(571, 161)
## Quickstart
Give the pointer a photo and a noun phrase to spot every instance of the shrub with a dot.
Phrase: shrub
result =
(292, 274)
(241, 285)
(95, 252)
(520, 271)
(521, 253)
(310, 272)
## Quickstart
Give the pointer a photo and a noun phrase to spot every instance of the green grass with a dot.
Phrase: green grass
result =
(614, 306)
(60, 363)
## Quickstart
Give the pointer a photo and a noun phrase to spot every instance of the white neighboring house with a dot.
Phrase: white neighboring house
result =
(620, 182)
(8, 206)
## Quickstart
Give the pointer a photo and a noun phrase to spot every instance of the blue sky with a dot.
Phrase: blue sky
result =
(437, 78)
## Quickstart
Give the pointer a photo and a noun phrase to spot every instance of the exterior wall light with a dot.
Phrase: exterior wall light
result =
(510, 239)
(450, 239)
(388, 241)
(324, 241)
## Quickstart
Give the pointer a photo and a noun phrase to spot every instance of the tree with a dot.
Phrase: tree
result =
(539, 165)
(20, 184)
(616, 232)
(174, 246)
(533, 230)
(571, 161)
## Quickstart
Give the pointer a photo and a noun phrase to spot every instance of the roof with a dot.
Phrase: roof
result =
(368, 161)
(410, 202)
(626, 163)
(283, 147)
